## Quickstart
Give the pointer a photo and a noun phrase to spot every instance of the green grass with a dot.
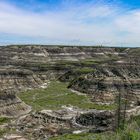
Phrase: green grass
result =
(55, 96)
(84, 70)
(131, 132)
(83, 62)
(91, 136)
(4, 120)
(137, 119)
(5, 130)
(87, 136)
(2, 132)
(89, 62)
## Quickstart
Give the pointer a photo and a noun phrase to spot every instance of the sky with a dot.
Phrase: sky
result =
(70, 22)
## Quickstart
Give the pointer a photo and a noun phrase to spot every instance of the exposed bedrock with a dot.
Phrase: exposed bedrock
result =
(111, 71)
(106, 82)
(18, 79)
(48, 123)
(11, 105)
(53, 123)
(11, 82)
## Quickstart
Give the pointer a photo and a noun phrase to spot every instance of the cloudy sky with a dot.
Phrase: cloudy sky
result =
(70, 22)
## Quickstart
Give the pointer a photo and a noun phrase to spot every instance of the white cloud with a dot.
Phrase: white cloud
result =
(129, 24)
(87, 24)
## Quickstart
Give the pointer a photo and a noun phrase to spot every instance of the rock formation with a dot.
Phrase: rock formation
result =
(102, 73)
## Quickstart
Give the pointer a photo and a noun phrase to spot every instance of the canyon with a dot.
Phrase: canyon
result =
(47, 91)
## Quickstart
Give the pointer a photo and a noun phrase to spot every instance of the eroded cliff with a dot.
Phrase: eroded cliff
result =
(96, 76)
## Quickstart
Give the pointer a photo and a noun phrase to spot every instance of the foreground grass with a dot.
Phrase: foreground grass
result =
(57, 95)
(107, 136)
(131, 132)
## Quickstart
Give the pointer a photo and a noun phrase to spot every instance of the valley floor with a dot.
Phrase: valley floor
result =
(56, 96)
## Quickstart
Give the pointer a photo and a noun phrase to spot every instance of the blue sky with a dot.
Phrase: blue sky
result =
(70, 22)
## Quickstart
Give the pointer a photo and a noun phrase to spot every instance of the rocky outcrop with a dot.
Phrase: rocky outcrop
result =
(18, 79)
(11, 105)
(48, 123)
(11, 82)
(107, 81)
